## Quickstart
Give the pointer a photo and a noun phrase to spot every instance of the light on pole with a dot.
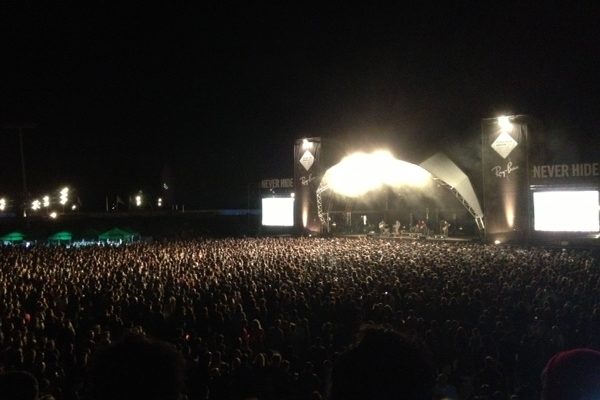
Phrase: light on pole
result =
(19, 128)
(64, 197)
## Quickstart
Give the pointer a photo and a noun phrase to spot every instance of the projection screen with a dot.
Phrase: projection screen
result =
(566, 211)
(278, 211)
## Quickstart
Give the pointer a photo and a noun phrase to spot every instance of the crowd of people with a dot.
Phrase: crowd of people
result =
(272, 318)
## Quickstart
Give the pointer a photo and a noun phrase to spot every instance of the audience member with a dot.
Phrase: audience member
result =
(136, 368)
(572, 375)
(383, 365)
(18, 385)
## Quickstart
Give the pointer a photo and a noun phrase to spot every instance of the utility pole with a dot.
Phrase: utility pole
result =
(19, 128)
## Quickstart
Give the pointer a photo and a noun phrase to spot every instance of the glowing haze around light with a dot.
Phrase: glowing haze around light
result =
(360, 173)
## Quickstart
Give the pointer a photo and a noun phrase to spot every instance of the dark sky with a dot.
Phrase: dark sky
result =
(219, 93)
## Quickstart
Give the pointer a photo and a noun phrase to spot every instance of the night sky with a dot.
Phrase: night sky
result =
(218, 94)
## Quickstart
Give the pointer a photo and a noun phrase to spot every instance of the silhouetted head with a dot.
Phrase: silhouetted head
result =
(572, 375)
(18, 385)
(384, 365)
(136, 368)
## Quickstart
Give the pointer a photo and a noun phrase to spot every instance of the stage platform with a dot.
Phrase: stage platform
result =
(435, 238)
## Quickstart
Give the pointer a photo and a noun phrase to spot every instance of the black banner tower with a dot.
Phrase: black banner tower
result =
(307, 176)
(505, 177)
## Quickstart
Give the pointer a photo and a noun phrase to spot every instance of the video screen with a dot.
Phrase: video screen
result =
(278, 211)
(566, 211)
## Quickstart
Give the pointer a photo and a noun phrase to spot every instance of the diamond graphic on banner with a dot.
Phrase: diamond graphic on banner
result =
(307, 160)
(504, 144)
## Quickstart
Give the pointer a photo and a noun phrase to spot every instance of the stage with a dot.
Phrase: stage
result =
(411, 236)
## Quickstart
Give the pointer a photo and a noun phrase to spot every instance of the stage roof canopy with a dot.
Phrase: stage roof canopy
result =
(361, 173)
(444, 169)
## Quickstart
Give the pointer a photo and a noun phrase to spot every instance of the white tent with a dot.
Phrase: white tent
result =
(446, 172)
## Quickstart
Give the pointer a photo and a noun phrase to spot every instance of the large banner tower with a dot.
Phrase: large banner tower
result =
(307, 176)
(506, 177)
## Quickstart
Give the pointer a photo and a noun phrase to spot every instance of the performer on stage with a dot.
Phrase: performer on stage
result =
(422, 228)
(444, 226)
(383, 228)
(397, 226)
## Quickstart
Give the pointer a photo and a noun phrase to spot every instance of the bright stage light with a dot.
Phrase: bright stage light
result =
(36, 205)
(305, 144)
(505, 124)
(360, 173)
(159, 202)
(2, 204)
(138, 200)
(53, 215)
(46, 201)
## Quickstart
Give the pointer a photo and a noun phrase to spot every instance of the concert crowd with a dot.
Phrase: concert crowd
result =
(269, 318)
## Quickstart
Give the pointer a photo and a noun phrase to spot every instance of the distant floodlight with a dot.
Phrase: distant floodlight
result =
(53, 215)
(2, 204)
(497, 241)
(46, 201)
(505, 124)
(165, 186)
(138, 200)
(64, 196)
(74, 207)
(305, 144)
(159, 202)
(36, 205)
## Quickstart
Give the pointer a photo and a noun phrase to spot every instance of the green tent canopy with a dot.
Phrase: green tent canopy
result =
(63, 236)
(116, 234)
(12, 237)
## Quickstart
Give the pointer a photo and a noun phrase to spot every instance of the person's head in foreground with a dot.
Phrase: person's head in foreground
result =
(136, 368)
(18, 385)
(383, 365)
(572, 375)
